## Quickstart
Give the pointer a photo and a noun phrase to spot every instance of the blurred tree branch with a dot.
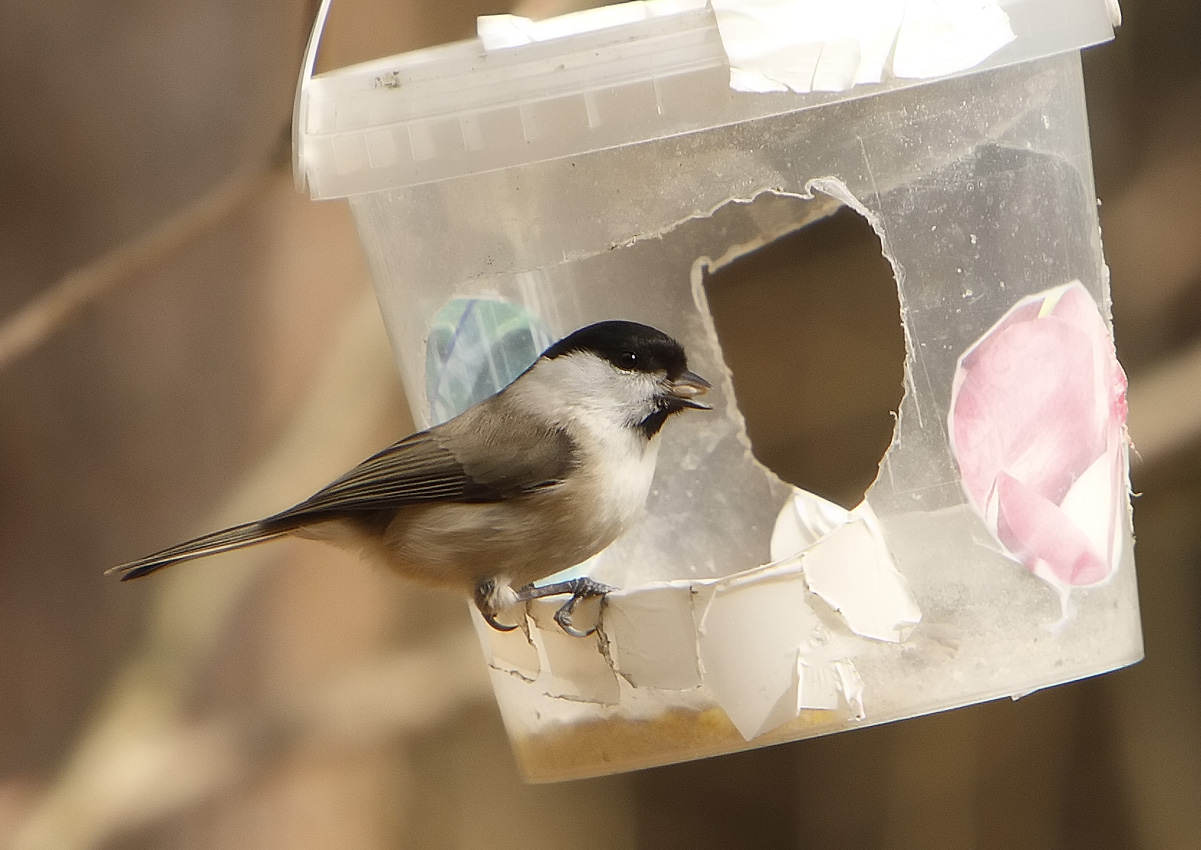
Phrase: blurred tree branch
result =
(38, 320)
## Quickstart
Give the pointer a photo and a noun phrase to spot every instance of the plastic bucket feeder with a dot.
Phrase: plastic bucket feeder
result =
(512, 188)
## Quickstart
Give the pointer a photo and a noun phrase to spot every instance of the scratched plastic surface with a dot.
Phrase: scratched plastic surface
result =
(981, 190)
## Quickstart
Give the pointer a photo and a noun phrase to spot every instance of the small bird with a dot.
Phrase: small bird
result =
(537, 478)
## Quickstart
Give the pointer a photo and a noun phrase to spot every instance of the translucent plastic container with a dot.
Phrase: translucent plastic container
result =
(507, 197)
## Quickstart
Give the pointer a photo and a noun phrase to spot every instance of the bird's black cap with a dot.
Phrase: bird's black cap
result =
(627, 345)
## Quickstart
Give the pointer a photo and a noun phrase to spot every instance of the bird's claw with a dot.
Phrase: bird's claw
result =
(579, 588)
(490, 619)
(563, 618)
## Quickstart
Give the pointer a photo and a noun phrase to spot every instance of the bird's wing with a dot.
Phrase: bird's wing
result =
(487, 455)
(426, 468)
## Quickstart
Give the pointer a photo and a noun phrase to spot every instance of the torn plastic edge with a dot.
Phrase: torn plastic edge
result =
(840, 195)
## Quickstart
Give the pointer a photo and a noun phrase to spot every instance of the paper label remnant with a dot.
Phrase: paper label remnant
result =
(852, 569)
(815, 45)
(652, 637)
(765, 654)
(577, 669)
(751, 643)
(937, 38)
(828, 682)
(804, 45)
(1038, 428)
(499, 32)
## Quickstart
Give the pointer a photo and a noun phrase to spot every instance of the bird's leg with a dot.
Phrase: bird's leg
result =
(579, 588)
(486, 593)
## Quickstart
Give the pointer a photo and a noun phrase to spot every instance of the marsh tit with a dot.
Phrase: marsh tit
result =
(526, 483)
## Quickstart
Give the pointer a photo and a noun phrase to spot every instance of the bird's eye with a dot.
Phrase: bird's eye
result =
(627, 360)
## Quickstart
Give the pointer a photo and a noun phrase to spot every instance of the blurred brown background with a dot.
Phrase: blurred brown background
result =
(227, 358)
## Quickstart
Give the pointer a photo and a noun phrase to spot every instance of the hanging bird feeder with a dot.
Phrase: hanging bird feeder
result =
(514, 187)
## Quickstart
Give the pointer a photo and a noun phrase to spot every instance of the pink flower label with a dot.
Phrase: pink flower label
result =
(1037, 424)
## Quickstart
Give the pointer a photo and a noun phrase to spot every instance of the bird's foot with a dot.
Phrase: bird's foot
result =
(491, 598)
(579, 588)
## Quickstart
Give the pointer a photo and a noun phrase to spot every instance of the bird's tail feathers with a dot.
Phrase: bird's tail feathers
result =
(237, 537)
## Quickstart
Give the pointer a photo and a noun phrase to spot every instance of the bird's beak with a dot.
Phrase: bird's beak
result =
(684, 390)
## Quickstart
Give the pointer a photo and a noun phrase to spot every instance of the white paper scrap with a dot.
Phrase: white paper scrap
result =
(498, 32)
(576, 668)
(804, 45)
(938, 38)
(828, 683)
(764, 653)
(853, 571)
(749, 81)
(807, 45)
(839, 62)
(815, 45)
(846, 562)
(805, 519)
(652, 637)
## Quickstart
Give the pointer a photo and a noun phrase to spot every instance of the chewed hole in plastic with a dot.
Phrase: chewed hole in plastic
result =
(810, 327)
